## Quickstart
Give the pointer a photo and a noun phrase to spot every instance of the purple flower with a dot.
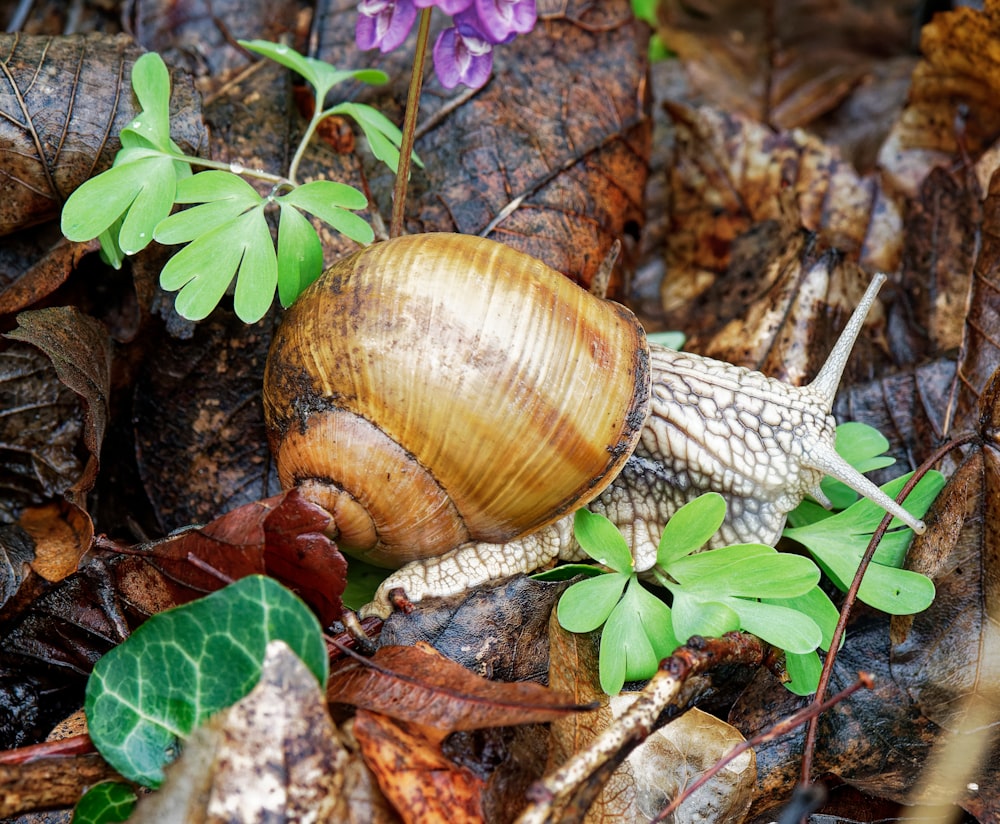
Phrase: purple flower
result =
(384, 23)
(447, 6)
(462, 55)
(502, 19)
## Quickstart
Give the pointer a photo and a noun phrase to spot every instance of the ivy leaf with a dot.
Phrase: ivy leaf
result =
(690, 527)
(602, 541)
(183, 665)
(586, 605)
(104, 803)
(204, 269)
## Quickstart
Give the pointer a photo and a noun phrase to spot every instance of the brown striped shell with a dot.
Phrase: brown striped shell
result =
(435, 389)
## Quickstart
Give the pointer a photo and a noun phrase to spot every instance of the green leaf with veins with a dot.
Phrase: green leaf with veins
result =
(587, 604)
(691, 527)
(300, 254)
(329, 201)
(146, 696)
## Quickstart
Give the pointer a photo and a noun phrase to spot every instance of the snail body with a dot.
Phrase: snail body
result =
(445, 395)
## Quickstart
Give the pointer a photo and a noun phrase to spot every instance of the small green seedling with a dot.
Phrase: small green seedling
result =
(748, 587)
(227, 229)
(743, 587)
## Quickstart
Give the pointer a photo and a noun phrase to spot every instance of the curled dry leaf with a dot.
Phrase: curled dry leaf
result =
(950, 654)
(63, 99)
(734, 180)
(499, 630)
(419, 685)
(420, 782)
(80, 351)
(274, 755)
(17, 551)
(981, 340)
(952, 109)
(61, 533)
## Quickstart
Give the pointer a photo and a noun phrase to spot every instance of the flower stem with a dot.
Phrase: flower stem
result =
(410, 125)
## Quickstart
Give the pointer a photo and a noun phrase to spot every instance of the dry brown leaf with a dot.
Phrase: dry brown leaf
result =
(980, 354)
(80, 351)
(785, 62)
(62, 533)
(39, 432)
(952, 104)
(951, 651)
(419, 685)
(549, 157)
(62, 100)
(498, 630)
(732, 177)
(423, 785)
(272, 757)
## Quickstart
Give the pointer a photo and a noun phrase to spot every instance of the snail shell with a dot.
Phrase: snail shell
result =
(436, 389)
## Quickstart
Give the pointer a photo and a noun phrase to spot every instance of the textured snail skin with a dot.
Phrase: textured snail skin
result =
(669, 425)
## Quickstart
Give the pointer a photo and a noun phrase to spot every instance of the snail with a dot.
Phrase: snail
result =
(452, 401)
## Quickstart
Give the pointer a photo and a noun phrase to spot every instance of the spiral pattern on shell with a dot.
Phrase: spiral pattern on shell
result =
(435, 389)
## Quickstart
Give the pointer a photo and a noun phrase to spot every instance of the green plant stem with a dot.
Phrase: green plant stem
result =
(228, 167)
(410, 125)
(317, 118)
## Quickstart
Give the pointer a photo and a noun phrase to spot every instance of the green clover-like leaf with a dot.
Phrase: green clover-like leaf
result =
(138, 190)
(602, 541)
(803, 670)
(151, 85)
(693, 616)
(329, 201)
(384, 137)
(586, 605)
(745, 570)
(779, 625)
(320, 75)
(690, 527)
(300, 254)
(626, 652)
(203, 270)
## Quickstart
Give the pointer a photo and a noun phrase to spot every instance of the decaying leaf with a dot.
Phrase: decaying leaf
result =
(414, 774)
(499, 630)
(952, 103)
(419, 685)
(199, 424)
(39, 432)
(80, 351)
(785, 62)
(951, 652)
(272, 756)
(17, 551)
(64, 100)
(734, 182)
(61, 533)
